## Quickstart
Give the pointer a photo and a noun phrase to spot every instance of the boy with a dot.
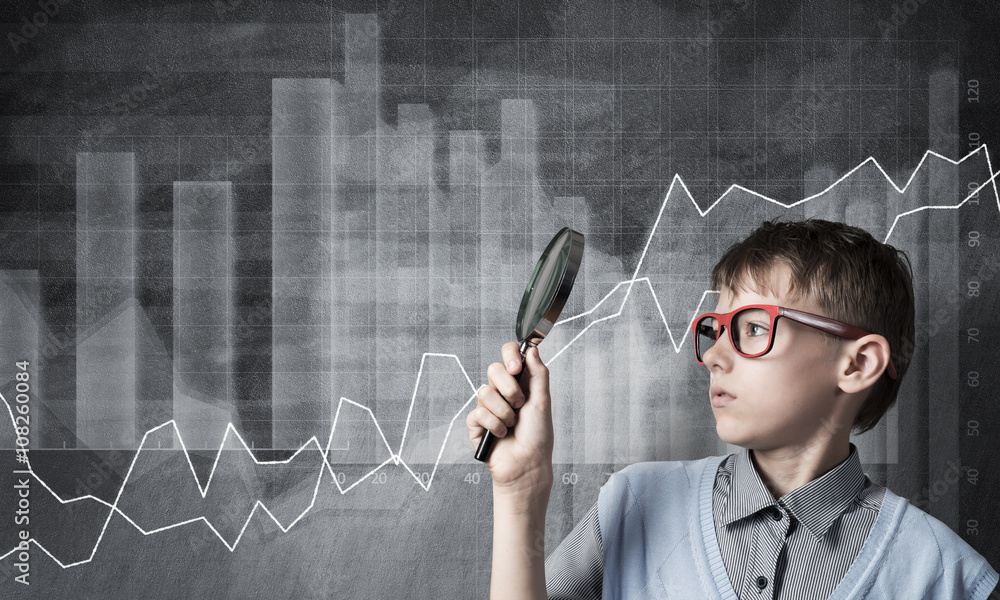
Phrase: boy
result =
(790, 516)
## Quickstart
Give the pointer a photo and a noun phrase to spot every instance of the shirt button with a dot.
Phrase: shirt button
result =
(775, 513)
(761, 582)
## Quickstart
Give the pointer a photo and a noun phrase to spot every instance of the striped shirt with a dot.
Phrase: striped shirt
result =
(798, 547)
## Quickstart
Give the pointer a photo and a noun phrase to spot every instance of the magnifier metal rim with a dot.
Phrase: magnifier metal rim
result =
(549, 316)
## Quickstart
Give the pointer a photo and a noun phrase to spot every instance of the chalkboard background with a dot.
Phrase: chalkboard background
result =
(299, 232)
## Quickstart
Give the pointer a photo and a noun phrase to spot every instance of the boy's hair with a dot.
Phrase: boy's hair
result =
(852, 276)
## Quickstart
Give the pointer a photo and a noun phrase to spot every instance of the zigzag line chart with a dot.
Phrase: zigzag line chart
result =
(395, 457)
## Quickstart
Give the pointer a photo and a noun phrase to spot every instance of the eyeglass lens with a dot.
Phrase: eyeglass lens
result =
(751, 332)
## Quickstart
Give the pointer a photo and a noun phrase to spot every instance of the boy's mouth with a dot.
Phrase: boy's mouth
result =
(719, 396)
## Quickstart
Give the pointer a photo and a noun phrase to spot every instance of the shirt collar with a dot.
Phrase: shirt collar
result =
(816, 504)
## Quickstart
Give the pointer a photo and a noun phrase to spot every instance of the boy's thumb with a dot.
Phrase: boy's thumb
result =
(537, 371)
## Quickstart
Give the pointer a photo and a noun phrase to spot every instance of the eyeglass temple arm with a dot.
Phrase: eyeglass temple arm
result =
(830, 326)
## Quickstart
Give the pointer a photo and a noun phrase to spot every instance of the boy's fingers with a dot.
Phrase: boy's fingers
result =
(482, 418)
(506, 384)
(475, 429)
(496, 404)
(511, 353)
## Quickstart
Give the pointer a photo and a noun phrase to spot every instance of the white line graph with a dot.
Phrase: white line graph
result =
(870, 160)
(396, 457)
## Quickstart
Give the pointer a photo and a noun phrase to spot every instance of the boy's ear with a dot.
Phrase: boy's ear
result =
(867, 359)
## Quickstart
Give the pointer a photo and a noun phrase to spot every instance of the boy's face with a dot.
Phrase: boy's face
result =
(787, 398)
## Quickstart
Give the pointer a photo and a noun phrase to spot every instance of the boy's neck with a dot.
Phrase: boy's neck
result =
(785, 469)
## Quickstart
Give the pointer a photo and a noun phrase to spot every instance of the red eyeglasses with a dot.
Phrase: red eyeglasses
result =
(751, 329)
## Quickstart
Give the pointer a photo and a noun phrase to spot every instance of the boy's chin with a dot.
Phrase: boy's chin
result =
(730, 435)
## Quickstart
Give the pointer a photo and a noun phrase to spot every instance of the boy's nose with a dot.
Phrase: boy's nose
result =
(715, 353)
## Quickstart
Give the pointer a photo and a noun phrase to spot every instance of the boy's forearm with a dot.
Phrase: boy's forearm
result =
(519, 544)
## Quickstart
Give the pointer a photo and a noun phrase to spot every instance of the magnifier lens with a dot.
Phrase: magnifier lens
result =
(543, 285)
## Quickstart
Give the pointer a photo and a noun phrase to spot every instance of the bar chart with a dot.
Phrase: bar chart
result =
(254, 335)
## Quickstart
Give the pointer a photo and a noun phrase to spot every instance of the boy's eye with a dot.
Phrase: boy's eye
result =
(753, 323)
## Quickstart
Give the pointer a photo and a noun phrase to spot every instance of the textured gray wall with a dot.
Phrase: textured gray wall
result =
(315, 221)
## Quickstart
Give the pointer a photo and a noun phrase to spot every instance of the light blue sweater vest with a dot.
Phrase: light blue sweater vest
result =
(659, 542)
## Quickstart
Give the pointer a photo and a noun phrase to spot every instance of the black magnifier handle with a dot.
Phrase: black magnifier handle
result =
(488, 439)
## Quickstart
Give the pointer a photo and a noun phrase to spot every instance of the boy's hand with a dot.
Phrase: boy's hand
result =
(521, 460)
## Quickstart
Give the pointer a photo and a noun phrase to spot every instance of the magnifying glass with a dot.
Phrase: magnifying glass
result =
(542, 302)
